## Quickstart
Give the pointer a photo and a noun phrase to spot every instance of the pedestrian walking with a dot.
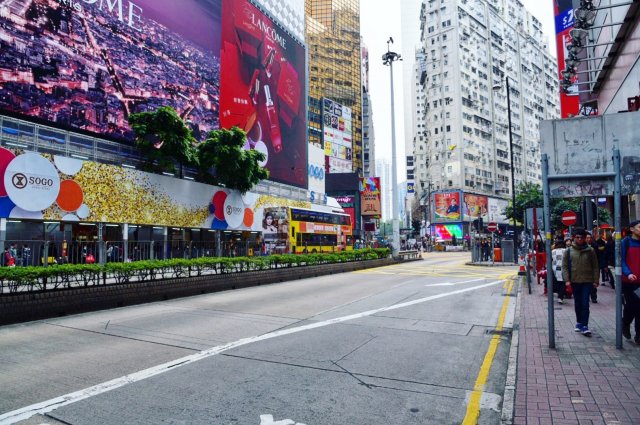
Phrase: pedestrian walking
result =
(594, 290)
(610, 251)
(630, 250)
(580, 270)
(559, 285)
(603, 263)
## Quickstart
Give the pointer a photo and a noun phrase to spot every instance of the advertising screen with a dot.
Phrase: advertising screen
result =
(475, 206)
(338, 140)
(445, 232)
(87, 65)
(370, 196)
(446, 206)
(262, 89)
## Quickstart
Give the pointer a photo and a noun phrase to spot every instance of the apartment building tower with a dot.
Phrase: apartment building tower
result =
(468, 50)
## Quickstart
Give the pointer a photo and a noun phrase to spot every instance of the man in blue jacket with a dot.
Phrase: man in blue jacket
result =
(630, 248)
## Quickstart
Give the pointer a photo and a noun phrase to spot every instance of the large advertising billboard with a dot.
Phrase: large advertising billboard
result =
(87, 65)
(564, 20)
(52, 187)
(475, 206)
(370, 197)
(337, 137)
(263, 89)
(446, 206)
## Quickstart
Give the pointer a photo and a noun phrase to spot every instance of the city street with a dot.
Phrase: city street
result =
(424, 342)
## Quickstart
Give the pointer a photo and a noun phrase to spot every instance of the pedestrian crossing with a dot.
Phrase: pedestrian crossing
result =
(419, 268)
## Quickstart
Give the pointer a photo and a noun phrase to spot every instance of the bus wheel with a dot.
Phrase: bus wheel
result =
(314, 251)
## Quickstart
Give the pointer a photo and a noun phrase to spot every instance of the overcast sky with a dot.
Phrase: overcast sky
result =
(378, 22)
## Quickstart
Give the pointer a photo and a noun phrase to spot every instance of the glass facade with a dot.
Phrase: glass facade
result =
(333, 40)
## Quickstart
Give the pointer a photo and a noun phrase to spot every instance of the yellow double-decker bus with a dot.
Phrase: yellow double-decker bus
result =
(318, 231)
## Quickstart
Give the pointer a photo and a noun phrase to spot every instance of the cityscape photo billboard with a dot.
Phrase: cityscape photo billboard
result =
(262, 79)
(87, 64)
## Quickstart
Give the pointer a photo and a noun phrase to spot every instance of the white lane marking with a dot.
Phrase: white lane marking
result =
(454, 283)
(268, 420)
(54, 403)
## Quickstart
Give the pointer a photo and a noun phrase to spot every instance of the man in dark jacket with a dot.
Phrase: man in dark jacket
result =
(580, 270)
(630, 250)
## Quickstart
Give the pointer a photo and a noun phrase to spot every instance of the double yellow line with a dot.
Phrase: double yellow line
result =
(473, 408)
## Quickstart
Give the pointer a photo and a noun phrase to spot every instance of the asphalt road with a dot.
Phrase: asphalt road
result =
(416, 343)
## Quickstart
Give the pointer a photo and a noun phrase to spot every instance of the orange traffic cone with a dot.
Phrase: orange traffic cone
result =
(521, 270)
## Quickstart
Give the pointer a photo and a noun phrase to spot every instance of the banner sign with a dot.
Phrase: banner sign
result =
(87, 65)
(446, 206)
(66, 189)
(564, 20)
(338, 136)
(262, 89)
(475, 206)
(370, 196)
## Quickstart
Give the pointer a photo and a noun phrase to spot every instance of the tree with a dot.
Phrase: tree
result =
(223, 161)
(163, 138)
(529, 195)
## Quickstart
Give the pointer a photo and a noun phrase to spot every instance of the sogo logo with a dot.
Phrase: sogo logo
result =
(316, 172)
(32, 182)
(234, 210)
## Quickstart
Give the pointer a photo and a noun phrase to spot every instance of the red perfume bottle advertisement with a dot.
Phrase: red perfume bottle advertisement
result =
(273, 121)
(262, 88)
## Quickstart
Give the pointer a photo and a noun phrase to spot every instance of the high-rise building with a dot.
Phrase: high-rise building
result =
(368, 134)
(471, 50)
(335, 73)
(383, 170)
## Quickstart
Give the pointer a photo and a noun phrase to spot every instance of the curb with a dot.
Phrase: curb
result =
(508, 400)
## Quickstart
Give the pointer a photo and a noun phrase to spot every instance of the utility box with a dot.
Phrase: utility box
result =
(507, 251)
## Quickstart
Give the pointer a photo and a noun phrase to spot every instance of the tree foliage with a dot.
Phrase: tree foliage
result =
(529, 195)
(163, 138)
(223, 161)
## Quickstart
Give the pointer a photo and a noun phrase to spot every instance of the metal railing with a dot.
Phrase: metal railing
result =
(22, 253)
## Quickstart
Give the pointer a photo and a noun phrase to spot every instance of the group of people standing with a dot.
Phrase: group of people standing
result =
(580, 263)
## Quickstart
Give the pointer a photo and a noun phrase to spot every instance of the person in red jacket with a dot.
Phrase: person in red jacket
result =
(630, 248)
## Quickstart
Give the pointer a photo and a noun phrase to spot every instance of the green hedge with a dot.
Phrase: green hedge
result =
(66, 275)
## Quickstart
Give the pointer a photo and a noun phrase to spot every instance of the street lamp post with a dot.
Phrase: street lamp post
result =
(388, 59)
(513, 178)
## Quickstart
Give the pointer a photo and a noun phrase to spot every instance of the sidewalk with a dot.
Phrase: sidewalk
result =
(584, 381)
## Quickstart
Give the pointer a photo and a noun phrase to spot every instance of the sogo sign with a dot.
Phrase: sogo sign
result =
(32, 182)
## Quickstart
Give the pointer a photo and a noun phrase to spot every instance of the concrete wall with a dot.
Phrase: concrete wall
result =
(16, 308)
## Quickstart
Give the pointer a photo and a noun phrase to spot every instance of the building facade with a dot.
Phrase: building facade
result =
(368, 133)
(471, 50)
(335, 73)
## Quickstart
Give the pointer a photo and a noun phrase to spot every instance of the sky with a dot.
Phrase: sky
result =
(378, 22)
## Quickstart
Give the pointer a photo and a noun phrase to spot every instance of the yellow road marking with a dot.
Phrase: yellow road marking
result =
(473, 408)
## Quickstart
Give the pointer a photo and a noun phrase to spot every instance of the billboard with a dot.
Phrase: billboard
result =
(564, 20)
(370, 197)
(475, 206)
(446, 232)
(263, 89)
(53, 187)
(87, 65)
(585, 145)
(348, 204)
(337, 136)
(496, 210)
(446, 206)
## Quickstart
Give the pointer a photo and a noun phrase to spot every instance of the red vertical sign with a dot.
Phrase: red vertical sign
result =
(569, 102)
